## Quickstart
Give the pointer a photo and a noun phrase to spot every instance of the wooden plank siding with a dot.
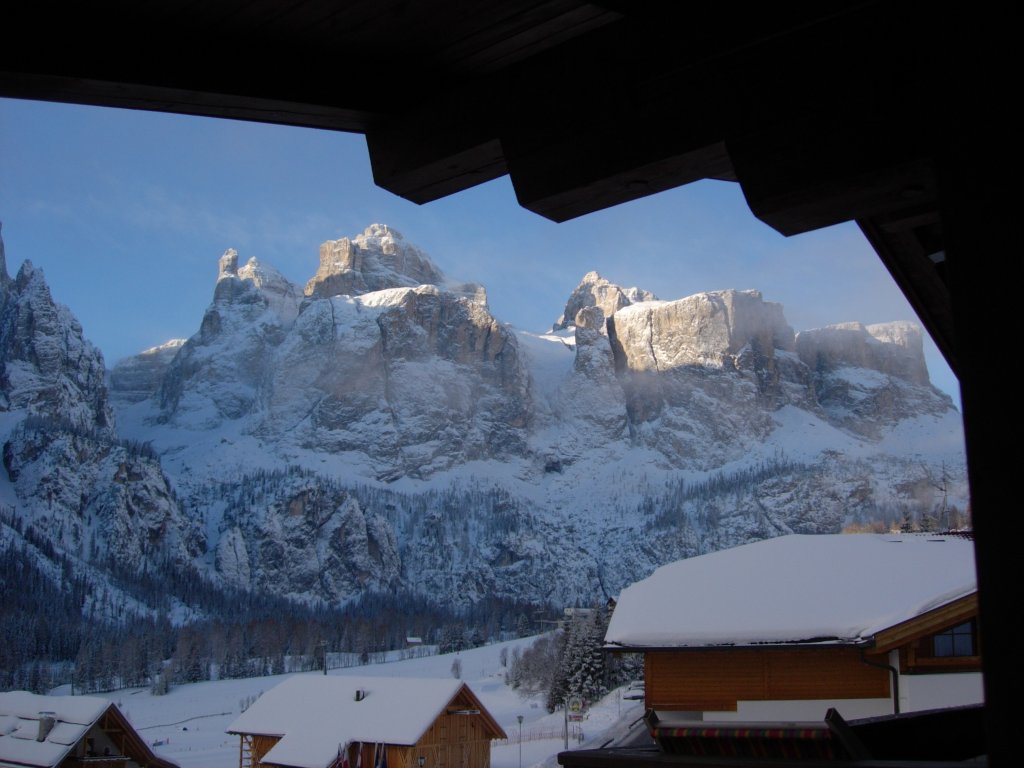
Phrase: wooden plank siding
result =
(397, 756)
(258, 746)
(455, 741)
(716, 679)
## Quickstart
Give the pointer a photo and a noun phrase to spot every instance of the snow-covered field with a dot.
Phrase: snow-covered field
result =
(188, 724)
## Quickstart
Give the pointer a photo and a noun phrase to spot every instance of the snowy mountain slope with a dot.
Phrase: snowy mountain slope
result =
(373, 432)
(537, 466)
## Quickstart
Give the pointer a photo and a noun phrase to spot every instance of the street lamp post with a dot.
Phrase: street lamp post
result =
(520, 719)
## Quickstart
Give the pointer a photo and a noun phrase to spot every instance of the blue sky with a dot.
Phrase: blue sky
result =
(127, 213)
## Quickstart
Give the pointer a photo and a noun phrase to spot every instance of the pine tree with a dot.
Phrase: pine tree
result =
(581, 667)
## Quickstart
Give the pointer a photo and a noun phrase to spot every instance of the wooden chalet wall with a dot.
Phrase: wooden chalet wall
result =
(252, 748)
(715, 680)
(397, 756)
(453, 741)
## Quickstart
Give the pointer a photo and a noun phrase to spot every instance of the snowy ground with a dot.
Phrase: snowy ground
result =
(188, 724)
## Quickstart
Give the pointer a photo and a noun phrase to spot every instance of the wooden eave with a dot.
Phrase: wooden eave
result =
(256, 733)
(827, 642)
(927, 623)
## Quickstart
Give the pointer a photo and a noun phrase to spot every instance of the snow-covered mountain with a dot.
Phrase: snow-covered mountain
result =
(380, 429)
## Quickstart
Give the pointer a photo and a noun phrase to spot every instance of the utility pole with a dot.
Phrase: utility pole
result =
(520, 719)
(565, 733)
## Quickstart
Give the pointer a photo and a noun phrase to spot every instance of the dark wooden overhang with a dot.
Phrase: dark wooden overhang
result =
(892, 115)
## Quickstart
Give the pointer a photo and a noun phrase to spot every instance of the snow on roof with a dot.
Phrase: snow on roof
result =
(20, 712)
(791, 589)
(316, 715)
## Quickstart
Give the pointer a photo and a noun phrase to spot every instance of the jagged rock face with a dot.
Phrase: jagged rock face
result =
(46, 365)
(79, 489)
(595, 291)
(419, 379)
(308, 541)
(896, 349)
(709, 368)
(594, 394)
(415, 378)
(377, 259)
(457, 386)
(219, 372)
(867, 378)
(104, 501)
(137, 377)
(709, 330)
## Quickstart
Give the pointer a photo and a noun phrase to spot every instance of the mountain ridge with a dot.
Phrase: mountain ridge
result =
(445, 453)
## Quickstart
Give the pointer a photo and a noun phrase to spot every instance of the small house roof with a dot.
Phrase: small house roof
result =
(794, 589)
(20, 713)
(316, 715)
(74, 716)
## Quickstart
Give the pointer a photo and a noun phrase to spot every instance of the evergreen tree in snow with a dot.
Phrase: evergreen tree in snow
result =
(581, 668)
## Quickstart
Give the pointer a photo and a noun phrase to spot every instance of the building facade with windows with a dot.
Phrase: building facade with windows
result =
(786, 628)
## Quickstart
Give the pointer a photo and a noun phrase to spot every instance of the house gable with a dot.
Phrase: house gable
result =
(312, 722)
(48, 731)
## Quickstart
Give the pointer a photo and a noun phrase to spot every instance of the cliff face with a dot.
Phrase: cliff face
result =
(76, 484)
(46, 365)
(895, 349)
(307, 539)
(140, 376)
(596, 291)
(381, 430)
(417, 378)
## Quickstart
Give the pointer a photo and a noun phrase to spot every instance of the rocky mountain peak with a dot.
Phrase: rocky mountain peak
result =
(896, 349)
(255, 284)
(228, 264)
(379, 258)
(281, 295)
(26, 273)
(596, 291)
(47, 367)
(707, 329)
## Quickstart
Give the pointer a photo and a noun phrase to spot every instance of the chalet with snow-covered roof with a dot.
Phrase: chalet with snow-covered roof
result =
(786, 628)
(329, 722)
(68, 732)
